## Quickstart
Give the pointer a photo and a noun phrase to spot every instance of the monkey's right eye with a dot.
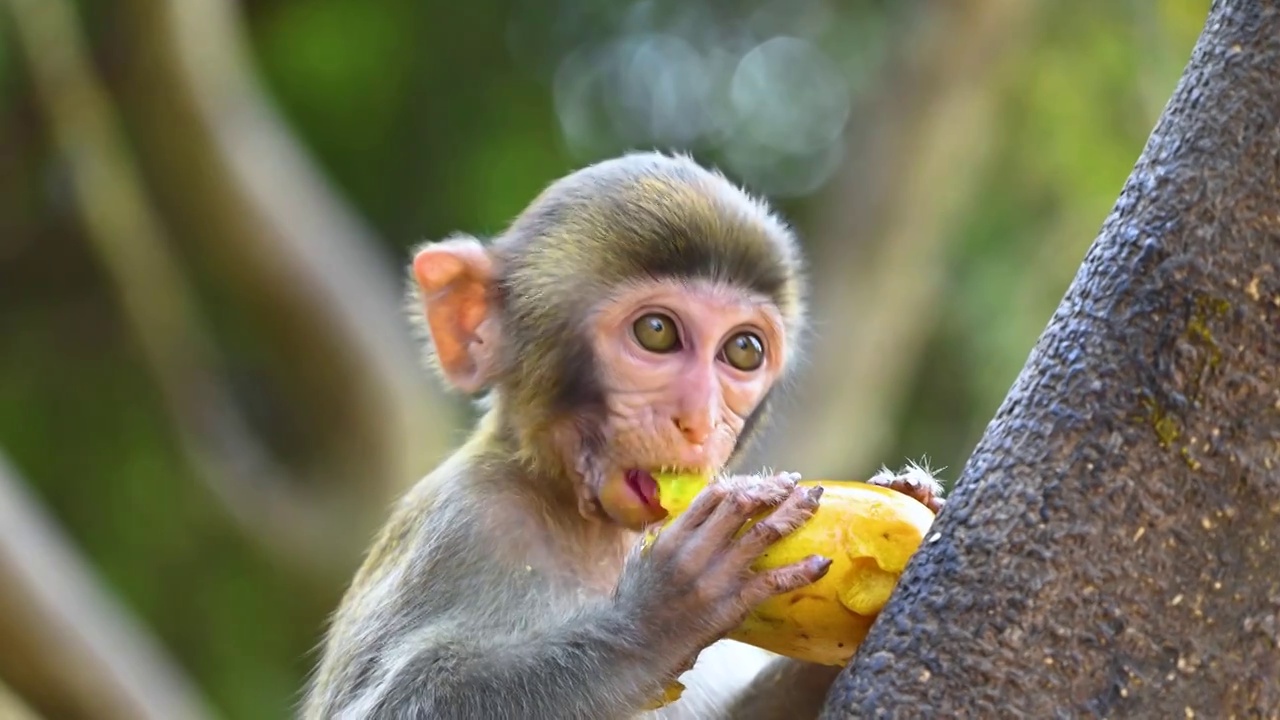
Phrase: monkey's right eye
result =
(656, 333)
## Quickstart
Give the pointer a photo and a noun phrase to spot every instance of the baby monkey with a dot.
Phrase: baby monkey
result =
(636, 316)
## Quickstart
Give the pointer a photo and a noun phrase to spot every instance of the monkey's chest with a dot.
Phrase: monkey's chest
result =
(599, 579)
(578, 572)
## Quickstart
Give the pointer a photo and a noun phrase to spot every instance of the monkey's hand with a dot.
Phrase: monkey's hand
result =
(694, 583)
(914, 481)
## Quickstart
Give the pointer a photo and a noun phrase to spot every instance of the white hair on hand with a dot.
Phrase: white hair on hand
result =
(917, 474)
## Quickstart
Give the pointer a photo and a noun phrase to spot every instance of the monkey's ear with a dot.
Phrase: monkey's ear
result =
(455, 278)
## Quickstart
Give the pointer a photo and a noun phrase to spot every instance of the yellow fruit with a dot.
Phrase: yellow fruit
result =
(868, 531)
(670, 694)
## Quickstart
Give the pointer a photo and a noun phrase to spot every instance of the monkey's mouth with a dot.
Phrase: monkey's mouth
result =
(645, 487)
(641, 483)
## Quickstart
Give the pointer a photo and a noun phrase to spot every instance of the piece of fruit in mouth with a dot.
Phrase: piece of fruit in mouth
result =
(644, 486)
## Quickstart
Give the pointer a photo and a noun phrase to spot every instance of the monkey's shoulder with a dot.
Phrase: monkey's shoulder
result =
(448, 531)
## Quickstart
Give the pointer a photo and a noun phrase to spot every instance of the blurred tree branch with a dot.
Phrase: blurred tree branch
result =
(236, 185)
(153, 293)
(12, 707)
(69, 649)
(878, 247)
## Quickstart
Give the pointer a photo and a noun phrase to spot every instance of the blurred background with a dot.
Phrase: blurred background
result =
(209, 394)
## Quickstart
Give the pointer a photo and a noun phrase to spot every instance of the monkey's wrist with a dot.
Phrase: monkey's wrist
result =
(661, 642)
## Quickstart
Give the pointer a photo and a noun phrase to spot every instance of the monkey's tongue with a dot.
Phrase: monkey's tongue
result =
(643, 484)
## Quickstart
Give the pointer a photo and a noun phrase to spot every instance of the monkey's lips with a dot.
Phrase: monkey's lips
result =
(641, 483)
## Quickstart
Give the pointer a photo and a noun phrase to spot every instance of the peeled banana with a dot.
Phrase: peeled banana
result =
(868, 531)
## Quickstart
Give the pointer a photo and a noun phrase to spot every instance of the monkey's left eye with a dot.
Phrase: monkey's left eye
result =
(656, 333)
(744, 351)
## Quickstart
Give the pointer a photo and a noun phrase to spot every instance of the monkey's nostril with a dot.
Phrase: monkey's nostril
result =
(694, 433)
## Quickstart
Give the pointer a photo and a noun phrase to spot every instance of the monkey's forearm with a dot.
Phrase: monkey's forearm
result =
(592, 666)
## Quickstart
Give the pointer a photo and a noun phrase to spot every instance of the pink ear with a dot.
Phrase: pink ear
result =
(455, 277)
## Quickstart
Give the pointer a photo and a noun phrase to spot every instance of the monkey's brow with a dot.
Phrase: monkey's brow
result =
(746, 294)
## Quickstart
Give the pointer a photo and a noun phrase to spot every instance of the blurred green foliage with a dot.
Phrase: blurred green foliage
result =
(425, 119)
(1075, 111)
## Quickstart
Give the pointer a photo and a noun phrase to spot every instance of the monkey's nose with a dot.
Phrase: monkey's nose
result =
(695, 430)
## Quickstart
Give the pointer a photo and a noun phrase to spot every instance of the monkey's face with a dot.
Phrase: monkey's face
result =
(662, 373)
(682, 366)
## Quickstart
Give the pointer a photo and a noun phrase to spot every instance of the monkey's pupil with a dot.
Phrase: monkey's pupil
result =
(656, 333)
(745, 351)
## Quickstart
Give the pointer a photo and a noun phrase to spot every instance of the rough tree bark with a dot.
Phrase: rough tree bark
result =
(1113, 546)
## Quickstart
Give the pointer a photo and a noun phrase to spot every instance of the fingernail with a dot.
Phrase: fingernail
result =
(821, 563)
(816, 492)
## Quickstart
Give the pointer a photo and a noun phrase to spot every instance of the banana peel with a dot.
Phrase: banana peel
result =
(868, 531)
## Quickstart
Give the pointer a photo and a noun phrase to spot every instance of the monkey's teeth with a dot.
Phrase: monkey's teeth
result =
(671, 469)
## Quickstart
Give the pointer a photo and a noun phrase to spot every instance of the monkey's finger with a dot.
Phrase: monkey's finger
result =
(915, 482)
(676, 541)
(704, 503)
(794, 512)
(767, 584)
(746, 497)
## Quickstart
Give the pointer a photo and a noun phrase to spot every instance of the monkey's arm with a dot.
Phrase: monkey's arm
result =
(589, 665)
(450, 628)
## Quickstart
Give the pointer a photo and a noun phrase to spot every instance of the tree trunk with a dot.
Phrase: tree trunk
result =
(1113, 546)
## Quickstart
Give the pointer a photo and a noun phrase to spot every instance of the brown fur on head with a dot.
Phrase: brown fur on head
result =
(639, 216)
